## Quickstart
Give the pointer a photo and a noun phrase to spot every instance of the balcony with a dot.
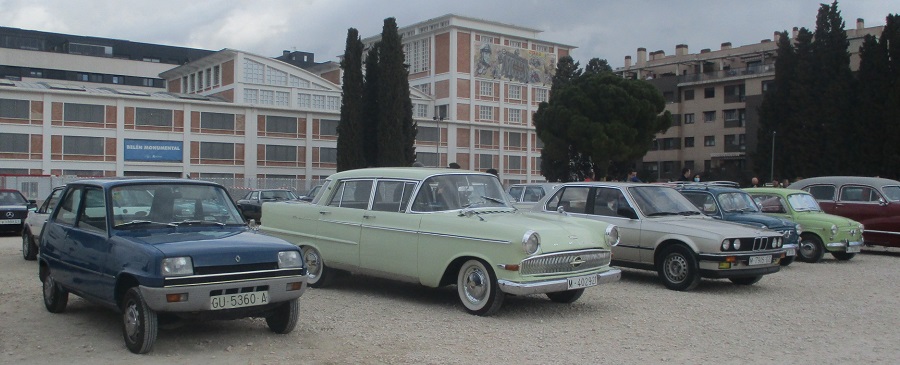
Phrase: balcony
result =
(735, 147)
(753, 71)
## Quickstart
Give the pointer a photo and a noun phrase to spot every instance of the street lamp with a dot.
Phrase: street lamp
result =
(437, 143)
(772, 167)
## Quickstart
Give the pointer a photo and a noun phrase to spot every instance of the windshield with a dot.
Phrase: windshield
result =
(737, 202)
(12, 198)
(892, 192)
(457, 191)
(803, 203)
(171, 203)
(660, 200)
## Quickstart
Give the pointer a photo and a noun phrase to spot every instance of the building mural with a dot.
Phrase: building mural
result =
(514, 64)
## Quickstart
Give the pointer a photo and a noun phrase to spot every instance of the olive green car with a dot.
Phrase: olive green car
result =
(439, 227)
(822, 232)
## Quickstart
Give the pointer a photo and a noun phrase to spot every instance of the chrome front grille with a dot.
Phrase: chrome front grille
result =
(565, 262)
(756, 243)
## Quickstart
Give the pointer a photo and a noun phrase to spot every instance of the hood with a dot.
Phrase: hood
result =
(840, 222)
(755, 219)
(707, 227)
(215, 248)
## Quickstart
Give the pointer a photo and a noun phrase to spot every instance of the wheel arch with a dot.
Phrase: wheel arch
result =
(662, 246)
(123, 283)
(452, 269)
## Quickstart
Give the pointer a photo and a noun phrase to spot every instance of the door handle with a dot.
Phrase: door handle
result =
(324, 212)
(366, 216)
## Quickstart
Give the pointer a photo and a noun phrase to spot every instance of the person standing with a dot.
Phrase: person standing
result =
(632, 177)
(754, 182)
(697, 178)
(685, 174)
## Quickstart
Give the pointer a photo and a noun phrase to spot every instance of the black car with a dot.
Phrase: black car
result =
(308, 197)
(13, 210)
(251, 204)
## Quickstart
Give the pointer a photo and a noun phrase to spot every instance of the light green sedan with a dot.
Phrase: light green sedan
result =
(822, 232)
(441, 227)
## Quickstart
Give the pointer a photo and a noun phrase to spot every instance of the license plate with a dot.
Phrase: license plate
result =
(760, 260)
(238, 300)
(10, 221)
(582, 281)
(852, 249)
(791, 252)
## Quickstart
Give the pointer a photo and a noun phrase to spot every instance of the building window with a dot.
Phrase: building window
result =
(541, 48)
(192, 83)
(538, 143)
(276, 124)
(486, 39)
(276, 77)
(217, 150)
(282, 98)
(514, 139)
(709, 117)
(77, 145)
(515, 163)
(318, 102)
(266, 97)
(427, 134)
(304, 101)
(421, 111)
(486, 138)
(327, 155)
(281, 153)
(427, 158)
(417, 55)
(540, 95)
(253, 72)
(223, 121)
(709, 141)
(485, 112)
(251, 96)
(689, 94)
(515, 92)
(709, 92)
(14, 143)
(688, 142)
(515, 44)
(486, 88)
(152, 117)
(485, 161)
(14, 109)
(689, 118)
(334, 103)
(424, 88)
(328, 127)
(118, 79)
(83, 113)
(216, 71)
(184, 84)
(201, 80)
(514, 115)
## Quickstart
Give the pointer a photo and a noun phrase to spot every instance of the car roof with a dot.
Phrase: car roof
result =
(416, 173)
(777, 191)
(110, 182)
(843, 180)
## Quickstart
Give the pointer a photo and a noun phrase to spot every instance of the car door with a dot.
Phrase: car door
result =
(607, 206)
(89, 246)
(36, 223)
(56, 245)
(340, 221)
(824, 195)
(389, 241)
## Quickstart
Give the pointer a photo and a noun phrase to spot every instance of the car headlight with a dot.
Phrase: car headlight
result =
(726, 245)
(612, 235)
(799, 229)
(861, 227)
(777, 242)
(289, 259)
(531, 242)
(833, 230)
(736, 243)
(177, 266)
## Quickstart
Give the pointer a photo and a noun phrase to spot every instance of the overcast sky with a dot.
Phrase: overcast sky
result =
(605, 29)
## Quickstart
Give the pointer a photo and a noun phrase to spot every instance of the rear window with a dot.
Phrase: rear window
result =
(12, 198)
(821, 192)
(892, 192)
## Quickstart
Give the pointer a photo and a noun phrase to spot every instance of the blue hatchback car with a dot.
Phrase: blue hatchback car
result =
(734, 205)
(165, 249)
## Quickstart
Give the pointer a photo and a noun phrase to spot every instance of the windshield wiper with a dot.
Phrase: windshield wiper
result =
(661, 214)
(689, 212)
(190, 222)
(494, 200)
(142, 222)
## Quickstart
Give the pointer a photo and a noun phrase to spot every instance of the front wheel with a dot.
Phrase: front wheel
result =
(843, 256)
(787, 260)
(318, 275)
(566, 297)
(477, 287)
(139, 324)
(29, 249)
(811, 249)
(678, 268)
(55, 297)
(284, 318)
(749, 280)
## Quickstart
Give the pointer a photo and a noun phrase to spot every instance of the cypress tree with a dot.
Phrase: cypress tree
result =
(370, 108)
(834, 84)
(350, 138)
(873, 89)
(775, 115)
(395, 123)
(890, 41)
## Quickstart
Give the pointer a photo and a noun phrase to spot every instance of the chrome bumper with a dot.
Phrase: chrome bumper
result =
(843, 246)
(790, 249)
(554, 285)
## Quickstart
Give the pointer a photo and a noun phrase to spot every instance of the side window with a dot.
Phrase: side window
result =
(352, 194)
(770, 203)
(50, 204)
(392, 196)
(94, 216)
(571, 199)
(516, 192)
(254, 195)
(608, 201)
(704, 202)
(821, 192)
(533, 194)
(69, 207)
(859, 194)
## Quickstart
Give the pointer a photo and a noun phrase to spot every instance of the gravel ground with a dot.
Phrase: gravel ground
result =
(827, 313)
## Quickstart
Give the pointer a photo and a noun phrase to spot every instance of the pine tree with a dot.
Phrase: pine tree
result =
(350, 138)
(395, 123)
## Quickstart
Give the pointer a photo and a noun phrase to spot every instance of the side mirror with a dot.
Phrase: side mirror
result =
(32, 205)
(252, 224)
(627, 212)
(882, 202)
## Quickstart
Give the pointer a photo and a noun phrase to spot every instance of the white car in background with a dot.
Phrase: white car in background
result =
(526, 195)
(34, 223)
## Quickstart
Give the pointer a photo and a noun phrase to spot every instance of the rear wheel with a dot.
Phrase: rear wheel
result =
(139, 323)
(811, 248)
(750, 280)
(319, 275)
(284, 318)
(55, 297)
(843, 256)
(568, 296)
(678, 268)
(477, 287)
(29, 249)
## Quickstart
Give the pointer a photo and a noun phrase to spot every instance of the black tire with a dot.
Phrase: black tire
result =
(476, 285)
(55, 297)
(139, 322)
(787, 260)
(318, 275)
(566, 297)
(811, 249)
(749, 280)
(284, 318)
(843, 256)
(29, 249)
(678, 268)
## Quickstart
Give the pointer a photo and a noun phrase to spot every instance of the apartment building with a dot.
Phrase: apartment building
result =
(714, 96)
(486, 80)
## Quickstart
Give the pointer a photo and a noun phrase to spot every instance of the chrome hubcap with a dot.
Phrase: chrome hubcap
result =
(807, 248)
(474, 285)
(313, 264)
(131, 317)
(676, 268)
